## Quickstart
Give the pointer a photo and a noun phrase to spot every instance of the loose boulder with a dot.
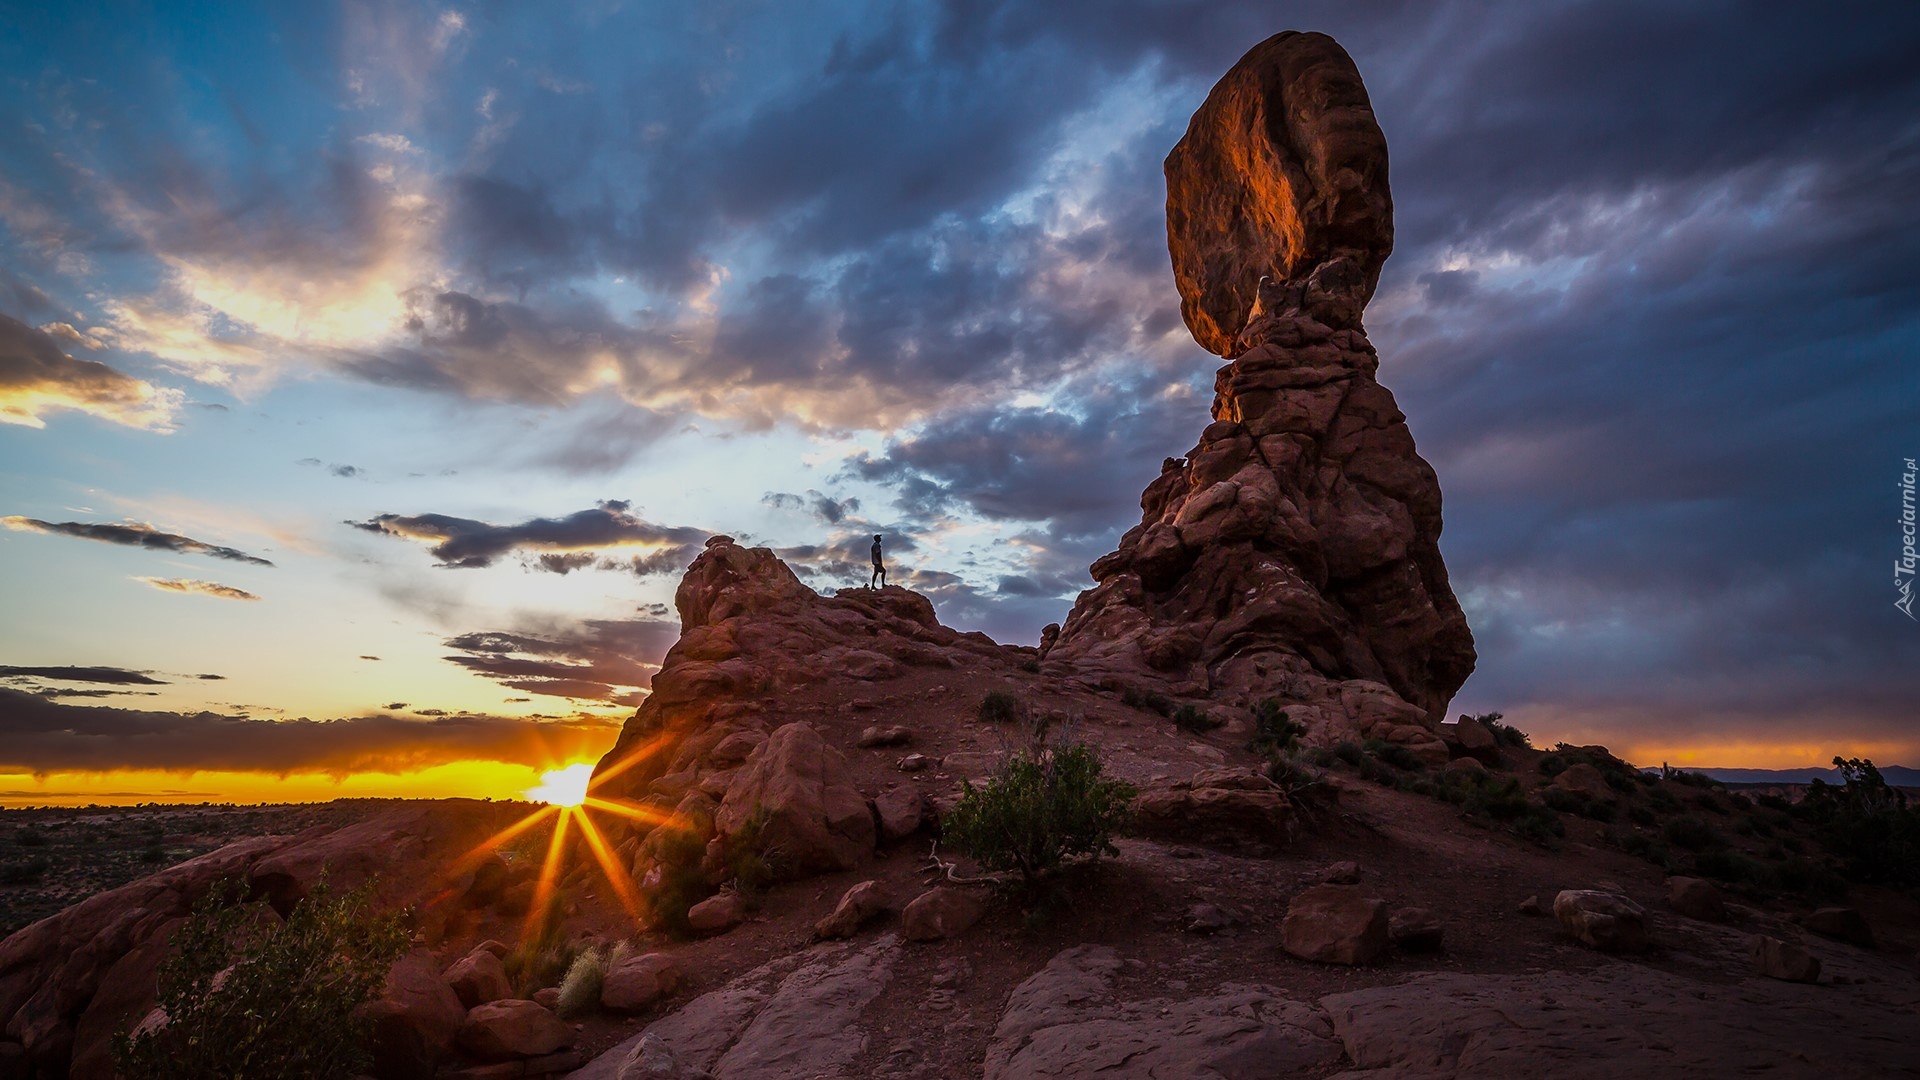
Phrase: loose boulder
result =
(1783, 960)
(415, 1020)
(716, 914)
(1230, 808)
(857, 905)
(505, 1030)
(1696, 899)
(1841, 924)
(479, 977)
(942, 912)
(1606, 921)
(900, 811)
(1415, 929)
(638, 981)
(1335, 924)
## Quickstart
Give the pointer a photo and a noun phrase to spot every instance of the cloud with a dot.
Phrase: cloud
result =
(132, 534)
(37, 377)
(110, 675)
(598, 660)
(43, 736)
(558, 544)
(203, 588)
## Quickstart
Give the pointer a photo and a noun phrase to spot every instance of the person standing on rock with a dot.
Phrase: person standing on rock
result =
(879, 569)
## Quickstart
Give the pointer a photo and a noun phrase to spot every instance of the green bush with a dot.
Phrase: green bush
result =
(1642, 817)
(258, 998)
(752, 864)
(1503, 734)
(1394, 754)
(999, 707)
(1349, 751)
(1690, 832)
(1191, 719)
(1569, 802)
(683, 884)
(1274, 732)
(1866, 823)
(28, 836)
(1150, 700)
(1040, 808)
(539, 959)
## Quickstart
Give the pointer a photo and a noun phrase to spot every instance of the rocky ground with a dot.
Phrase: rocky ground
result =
(54, 857)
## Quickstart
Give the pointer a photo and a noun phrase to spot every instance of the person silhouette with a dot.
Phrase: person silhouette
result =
(879, 568)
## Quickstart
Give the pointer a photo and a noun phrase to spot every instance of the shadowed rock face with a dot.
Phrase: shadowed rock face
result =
(1293, 553)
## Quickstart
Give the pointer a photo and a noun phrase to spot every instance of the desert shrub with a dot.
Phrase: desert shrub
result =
(28, 836)
(1570, 802)
(1041, 807)
(1503, 734)
(999, 707)
(580, 987)
(1690, 832)
(1372, 771)
(1191, 719)
(25, 872)
(1031, 665)
(253, 997)
(1539, 825)
(1394, 754)
(1663, 800)
(1706, 801)
(1776, 804)
(153, 853)
(1321, 756)
(751, 862)
(1642, 817)
(1150, 700)
(682, 883)
(1866, 823)
(1642, 846)
(539, 959)
(1274, 732)
(1349, 751)
(1725, 864)
(1305, 787)
(1690, 779)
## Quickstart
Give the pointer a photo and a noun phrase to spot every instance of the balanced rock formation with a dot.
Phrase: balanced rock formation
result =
(1293, 553)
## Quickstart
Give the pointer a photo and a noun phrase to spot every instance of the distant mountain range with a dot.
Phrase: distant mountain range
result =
(1896, 775)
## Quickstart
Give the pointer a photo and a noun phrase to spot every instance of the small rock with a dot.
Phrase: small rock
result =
(900, 812)
(652, 1059)
(942, 912)
(547, 997)
(735, 748)
(1696, 899)
(479, 977)
(893, 735)
(1531, 906)
(1778, 959)
(856, 906)
(1206, 919)
(1466, 765)
(1415, 929)
(1341, 873)
(1334, 924)
(717, 913)
(915, 762)
(639, 981)
(1841, 924)
(1605, 920)
(503, 1030)
(1584, 779)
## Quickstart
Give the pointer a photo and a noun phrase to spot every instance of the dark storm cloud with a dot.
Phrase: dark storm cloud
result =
(599, 660)
(111, 675)
(43, 736)
(132, 534)
(553, 542)
(825, 508)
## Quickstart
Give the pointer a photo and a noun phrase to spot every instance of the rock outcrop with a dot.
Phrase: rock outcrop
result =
(750, 630)
(1293, 553)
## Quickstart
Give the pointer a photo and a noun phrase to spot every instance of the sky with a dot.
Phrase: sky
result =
(370, 371)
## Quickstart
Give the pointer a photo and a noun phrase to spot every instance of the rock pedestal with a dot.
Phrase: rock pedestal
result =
(1293, 553)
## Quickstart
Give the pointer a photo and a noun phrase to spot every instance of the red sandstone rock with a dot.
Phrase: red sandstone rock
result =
(1334, 924)
(941, 912)
(799, 790)
(504, 1030)
(1293, 553)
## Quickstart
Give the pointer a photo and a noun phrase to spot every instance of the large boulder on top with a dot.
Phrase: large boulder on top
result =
(801, 795)
(1293, 554)
(1282, 169)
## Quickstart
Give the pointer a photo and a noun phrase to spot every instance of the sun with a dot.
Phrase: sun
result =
(563, 787)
